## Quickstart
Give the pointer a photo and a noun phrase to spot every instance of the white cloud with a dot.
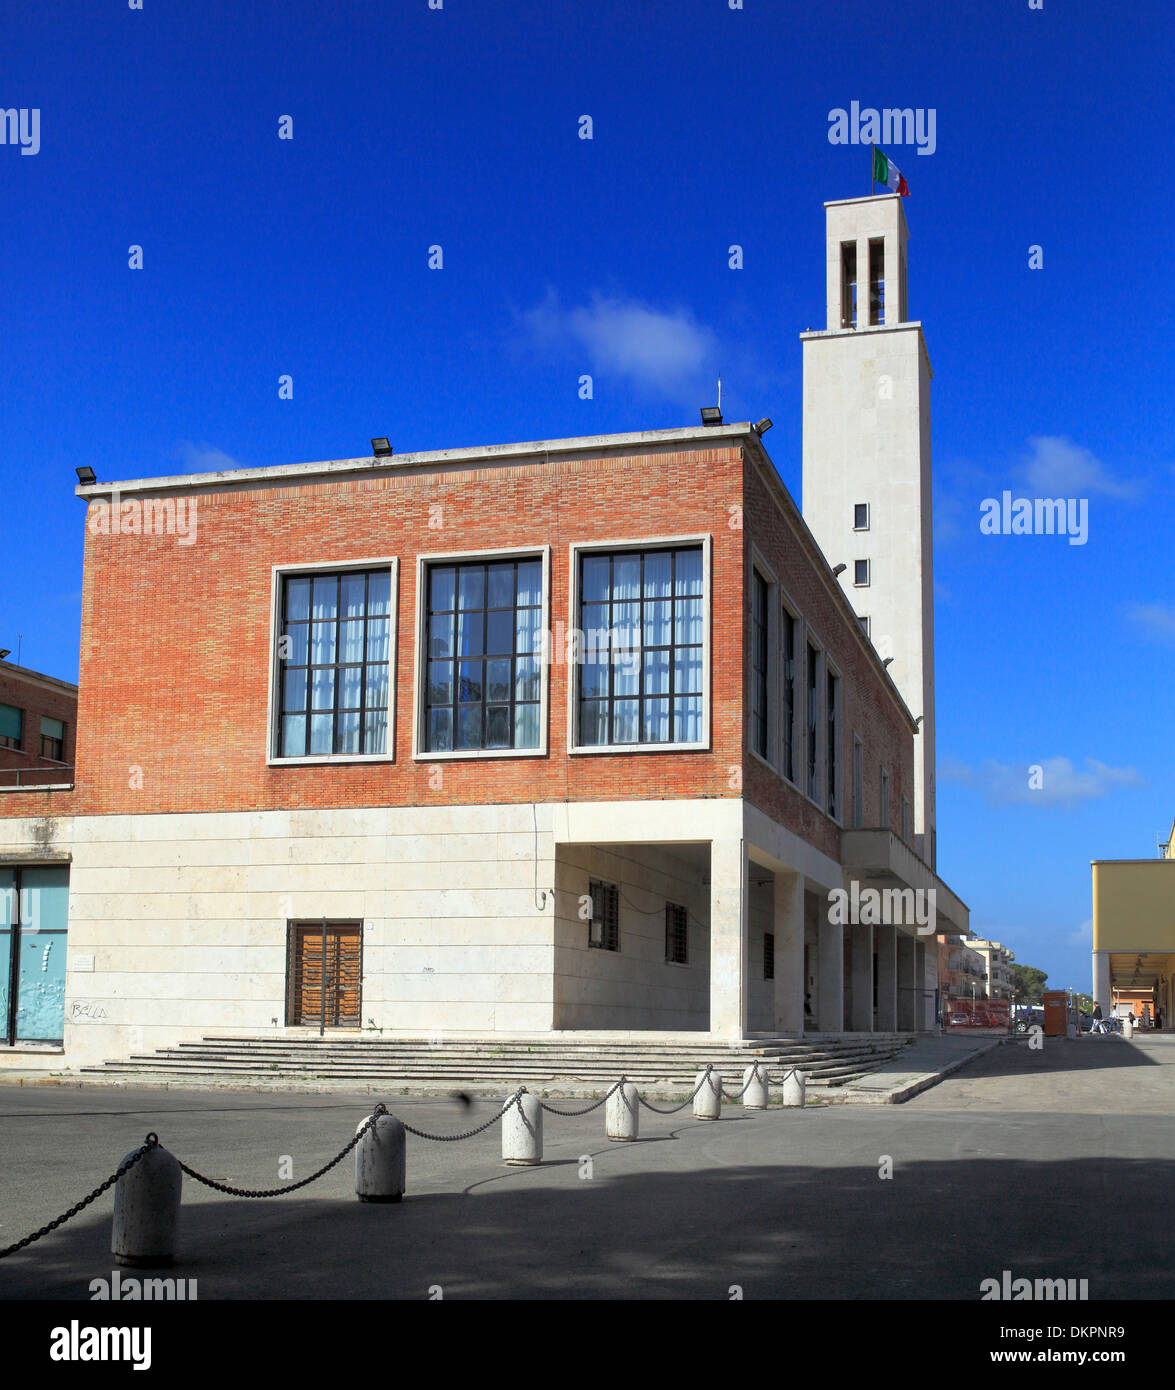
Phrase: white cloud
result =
(664, 349)
(204, 458)
(1058, 781)
(1083, 936)
(1157, 618)
(1056, 467)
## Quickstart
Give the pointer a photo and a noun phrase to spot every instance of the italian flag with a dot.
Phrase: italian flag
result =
(887, 172)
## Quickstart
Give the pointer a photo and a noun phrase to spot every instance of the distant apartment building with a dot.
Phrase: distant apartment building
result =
(962, 969)
(38, 722)
(997, 965)
(582, 735)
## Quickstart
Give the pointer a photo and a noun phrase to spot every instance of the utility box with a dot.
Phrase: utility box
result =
(1056, 1013)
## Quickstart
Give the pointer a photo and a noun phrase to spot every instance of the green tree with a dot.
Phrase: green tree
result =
(1029, 983)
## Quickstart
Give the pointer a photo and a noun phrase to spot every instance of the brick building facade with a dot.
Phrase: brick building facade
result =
(339, 756)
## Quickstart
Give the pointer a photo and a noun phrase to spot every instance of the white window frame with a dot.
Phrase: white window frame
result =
(465, 557)
(577, 548)
(862, 583)
(868, 516)
(279, 573)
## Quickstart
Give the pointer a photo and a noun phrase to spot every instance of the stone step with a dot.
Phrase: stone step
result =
(492, 1060)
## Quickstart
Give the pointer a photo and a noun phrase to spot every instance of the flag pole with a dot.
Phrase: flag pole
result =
(872, 162)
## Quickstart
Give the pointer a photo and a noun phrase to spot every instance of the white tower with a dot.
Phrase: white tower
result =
(867, 462)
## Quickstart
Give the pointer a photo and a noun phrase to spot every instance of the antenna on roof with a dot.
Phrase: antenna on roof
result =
(720, 392)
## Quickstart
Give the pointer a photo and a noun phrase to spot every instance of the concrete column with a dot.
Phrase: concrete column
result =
(885, 944)
(923, 997)
(789, 953)
(831, 1002)
(1101, 982)
(728, 938)
(861, 1020)
(907, 952)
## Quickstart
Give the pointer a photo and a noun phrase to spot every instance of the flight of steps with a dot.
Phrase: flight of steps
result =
(826, 1062)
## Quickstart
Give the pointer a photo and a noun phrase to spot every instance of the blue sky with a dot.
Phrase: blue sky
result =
(459, 127)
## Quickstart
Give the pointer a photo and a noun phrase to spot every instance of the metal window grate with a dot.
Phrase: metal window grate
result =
(676, 934)
(768, 955)
(604, 926)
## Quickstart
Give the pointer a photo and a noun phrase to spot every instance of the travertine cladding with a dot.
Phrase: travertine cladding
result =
(185, 919)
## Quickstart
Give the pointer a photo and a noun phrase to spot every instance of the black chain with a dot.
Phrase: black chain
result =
(594, 1106)
(657, 1111)
(148, 1144)
(379, 1110)
(738, 1095)
(469, 1133)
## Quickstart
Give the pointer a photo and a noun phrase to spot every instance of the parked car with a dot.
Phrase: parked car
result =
(1028, 1014)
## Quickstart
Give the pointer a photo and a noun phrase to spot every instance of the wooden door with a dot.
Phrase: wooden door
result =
(337, 970)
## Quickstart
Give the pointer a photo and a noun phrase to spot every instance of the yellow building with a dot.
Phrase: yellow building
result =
(1134, 933)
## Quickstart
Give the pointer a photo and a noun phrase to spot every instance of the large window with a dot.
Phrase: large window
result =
(759, 665)
(789, 696)
(52, 738)
(483, 688)
(813, 727)
(832, 713)
(333, 664)
(11, 720)
(641, 615)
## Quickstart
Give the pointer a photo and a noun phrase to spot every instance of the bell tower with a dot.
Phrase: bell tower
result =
(866, 464)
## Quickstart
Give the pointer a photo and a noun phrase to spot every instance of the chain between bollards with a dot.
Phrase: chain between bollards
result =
(148, 1144)
(469, 1133)
(750, 1081)
(379, 1110)
(594, 1106)
(697, 1091)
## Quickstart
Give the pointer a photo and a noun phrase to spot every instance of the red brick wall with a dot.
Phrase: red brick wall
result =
(867, 709)
(175, 639)
(35, 699)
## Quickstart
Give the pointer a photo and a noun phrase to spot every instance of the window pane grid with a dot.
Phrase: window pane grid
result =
(334, 673)
(482, 691)
(641, 678)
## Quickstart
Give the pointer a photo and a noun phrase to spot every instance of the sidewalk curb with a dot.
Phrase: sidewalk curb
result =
(896, 1097)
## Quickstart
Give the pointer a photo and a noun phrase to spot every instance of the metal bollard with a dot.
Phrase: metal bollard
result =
(756, 1091)
(381, 1161)
(622, 1113)
(522, 1130)
(708, 1101)
(794, 1087)
(146, 1210)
